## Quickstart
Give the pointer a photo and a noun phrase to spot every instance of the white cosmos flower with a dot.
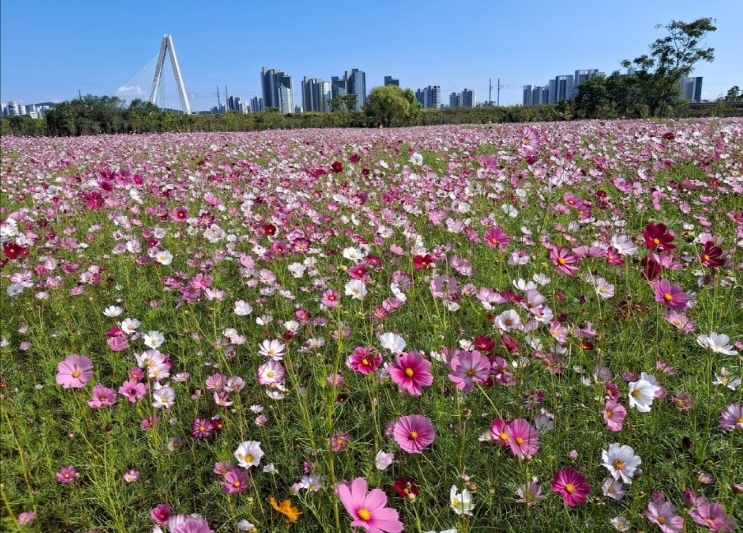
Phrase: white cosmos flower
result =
(354, 254)
(264, 319)
(641, 395)
(392, 342)
(164, 257)
(14, 289)
(717, 342)
(129, 325)
(383, 460)
(154, 339)
(242, 308)
(416, 159)
(461, 503)
(604, 289)
(621, 461)
(249, 453)
(164, 397)
(272, 348)
(112, 311)
(356, 289)
(508, 320)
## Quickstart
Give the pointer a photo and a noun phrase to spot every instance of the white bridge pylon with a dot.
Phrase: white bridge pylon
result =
(165, 47)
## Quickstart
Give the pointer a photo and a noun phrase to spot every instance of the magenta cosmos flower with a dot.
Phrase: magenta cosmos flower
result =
(672, 296)
(74, 372)
(413, 433)
(614, 414)
(411, 372)
(563, 259)
(102, 397)
(368, 510)
(469, 368)
(66, 474)
(571, 485)
(712, 515)
(364, 360)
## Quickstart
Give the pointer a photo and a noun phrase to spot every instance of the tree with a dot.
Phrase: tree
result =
(671, 58)
(389, 106)
(734, 94)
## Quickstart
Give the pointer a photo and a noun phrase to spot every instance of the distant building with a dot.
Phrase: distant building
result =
(583, 75)
(430, 97)
(564, 87)
(469, 98)
(352, 82)
(528, 95)
(234, 104)
(455, 100)
(389, 80)
(278, 89)
(315, 95)
(691, 89)
(257, 105)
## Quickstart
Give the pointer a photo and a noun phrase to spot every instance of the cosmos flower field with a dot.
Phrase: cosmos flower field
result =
(472, 328)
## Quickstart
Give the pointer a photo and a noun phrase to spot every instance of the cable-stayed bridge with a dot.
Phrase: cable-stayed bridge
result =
(159, 82)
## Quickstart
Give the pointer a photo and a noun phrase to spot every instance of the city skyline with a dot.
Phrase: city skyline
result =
(72, 52)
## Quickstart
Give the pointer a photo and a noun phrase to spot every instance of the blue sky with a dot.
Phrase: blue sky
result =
(51, 49)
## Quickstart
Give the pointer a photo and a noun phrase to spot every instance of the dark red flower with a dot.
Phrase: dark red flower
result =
(269, 229)
(510, 343)
(365, 172)
(217, 424)
(12, 250)
(422, 261)
(355, 158)
(483, 343)
(337, 167)
(658, 237)
(406, 488)
(712, 256)
(651, 268)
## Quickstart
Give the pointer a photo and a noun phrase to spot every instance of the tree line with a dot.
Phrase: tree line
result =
(652, 90)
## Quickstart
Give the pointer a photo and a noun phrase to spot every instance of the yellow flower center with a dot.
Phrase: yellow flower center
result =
(619, 465)
(236, 484)
(202, 428)
(364, 514)
(519, 441)
(101, 398)
(76, 374)
(662, 520)
(656, 240)
(668, 296)
(413, 435)
(609, 413)
(740, 420)
(561, 260)
(365, 361)
(636, 394)
(503, 436)
(471, 372)
(249, 458)
(706, 257)
(409, 372)
(570, 488)
(270, 374)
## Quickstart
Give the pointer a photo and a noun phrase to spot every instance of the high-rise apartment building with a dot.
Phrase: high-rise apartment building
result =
(352, 82)
(469, 98)
(455, 100)
(315, 95)
(389, 80)
(564, 87)
(430, 97)
(257, 105)
(528, 95)
(278, 89)
(691, 88)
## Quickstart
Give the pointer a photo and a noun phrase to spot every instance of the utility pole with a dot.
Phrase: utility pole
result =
(219, 104)
(226, 100)
(490, 91)
(499, 88)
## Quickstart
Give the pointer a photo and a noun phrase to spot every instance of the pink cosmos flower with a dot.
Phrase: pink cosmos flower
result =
(732, 418)
(498, 431)
(663, 514)
(413, 433)
(364, 360)
(201, 428)
(161, 513)
(133, 390)
(235, 480)
(26, 518)
(102, 397)
(340, 441)
(563, 259)
(469, 368)
(74, 372)
(330, 299)
(529, 494)
(571, 485)
(117, 344)
(614, 414)
(411, 372)
(522, 438)
(712, 516)
(368, 510)
(672, 296)
(66, 474)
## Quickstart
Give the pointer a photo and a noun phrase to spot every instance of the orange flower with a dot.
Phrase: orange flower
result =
(291, 513)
